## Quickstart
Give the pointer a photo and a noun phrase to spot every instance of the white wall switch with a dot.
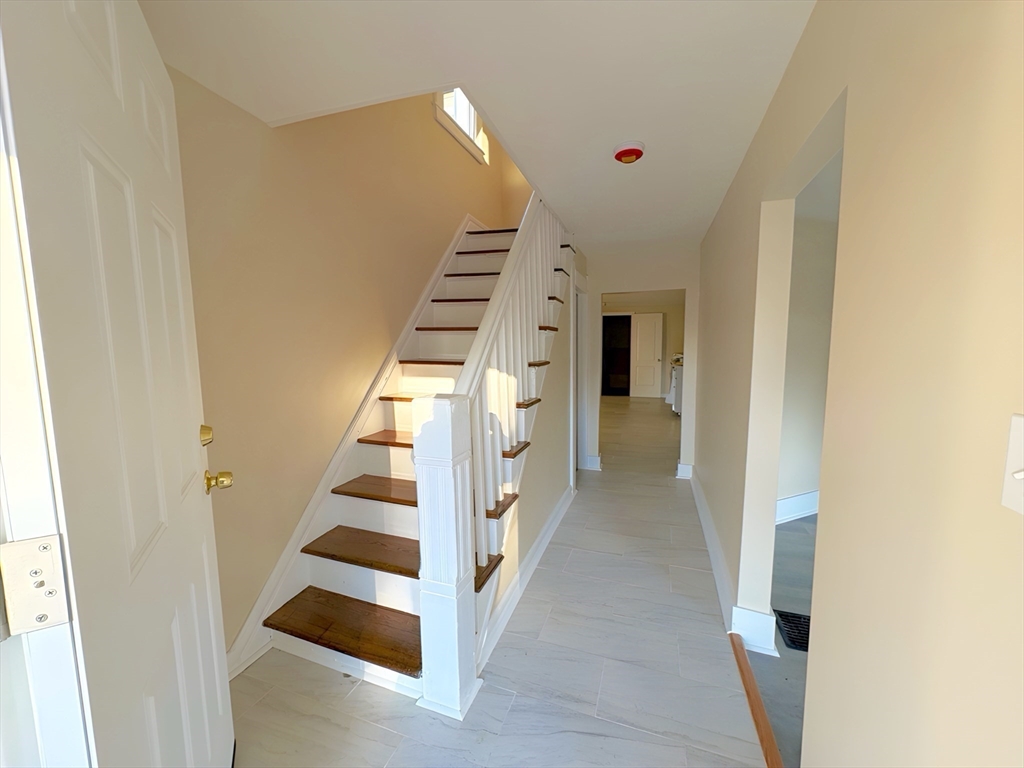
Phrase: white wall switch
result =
(35, 595)
(1013, 478)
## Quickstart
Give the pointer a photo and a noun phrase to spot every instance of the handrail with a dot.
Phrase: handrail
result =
(763, 726)
(476, 362)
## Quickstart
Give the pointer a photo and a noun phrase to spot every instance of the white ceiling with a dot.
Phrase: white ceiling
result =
(560, 83)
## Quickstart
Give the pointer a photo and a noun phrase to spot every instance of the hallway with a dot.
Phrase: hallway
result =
(615, 656)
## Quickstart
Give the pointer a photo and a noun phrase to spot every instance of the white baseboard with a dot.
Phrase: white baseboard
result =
(508, 602)
(719, 568)
(757, 630)
(592, 463)
(246, 661)
(795, 507)
(684, 471)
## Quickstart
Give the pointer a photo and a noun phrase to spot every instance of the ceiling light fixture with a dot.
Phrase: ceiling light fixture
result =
(629, 152)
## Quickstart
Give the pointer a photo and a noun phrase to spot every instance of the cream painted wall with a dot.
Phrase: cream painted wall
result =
(807, 340)
(918, 608)
(643, 267)
(310, 245)
(673, 328)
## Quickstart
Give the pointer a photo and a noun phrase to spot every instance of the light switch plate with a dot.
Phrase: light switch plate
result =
(35, 594)
(1013, 489)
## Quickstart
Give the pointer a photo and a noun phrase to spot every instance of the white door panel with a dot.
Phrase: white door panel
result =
(645, 376)
(93, 115)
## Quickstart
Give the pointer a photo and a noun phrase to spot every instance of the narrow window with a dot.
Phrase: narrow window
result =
(454, 111)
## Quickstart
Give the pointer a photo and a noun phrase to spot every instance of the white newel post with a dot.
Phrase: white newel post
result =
(444, 493)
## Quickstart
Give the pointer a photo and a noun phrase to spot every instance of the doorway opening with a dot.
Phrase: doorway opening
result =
(808, 331)
(615, 355)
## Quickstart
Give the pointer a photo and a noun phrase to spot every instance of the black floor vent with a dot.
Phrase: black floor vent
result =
(795, 629)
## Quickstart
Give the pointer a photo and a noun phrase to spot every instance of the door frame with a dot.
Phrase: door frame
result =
(48, 661)
(578, 374)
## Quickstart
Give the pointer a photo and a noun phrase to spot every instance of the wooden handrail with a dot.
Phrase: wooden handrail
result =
(763, 726)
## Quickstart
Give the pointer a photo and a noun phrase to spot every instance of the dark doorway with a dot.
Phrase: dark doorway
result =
(615, 355)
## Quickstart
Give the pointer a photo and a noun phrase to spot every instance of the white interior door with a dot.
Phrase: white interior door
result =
(645, 376)
(96, 145)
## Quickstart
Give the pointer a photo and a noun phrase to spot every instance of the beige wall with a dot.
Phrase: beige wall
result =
(918, 608)
(642, 267)
(673, 324)
(309, 245)
(807, 340)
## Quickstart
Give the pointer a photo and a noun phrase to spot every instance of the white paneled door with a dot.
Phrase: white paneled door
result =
(95, 142)
(645, 373)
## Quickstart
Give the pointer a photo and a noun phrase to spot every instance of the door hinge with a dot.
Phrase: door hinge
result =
(34, 589)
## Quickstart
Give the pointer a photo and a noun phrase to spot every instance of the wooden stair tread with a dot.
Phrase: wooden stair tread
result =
(458, 301)
(492, 231)
(392, 490)
(483, 572)
(447, 328)
(566, 245)
(379, 551)
(472, 274)
(528, 403)
(365, 631)
(559, 269)
(547, 328)
(502, 507)
(482, 251)
(555, 298)
(416, 361)
(403, 397)
(538, 363)
(392, 437)
(516, 449)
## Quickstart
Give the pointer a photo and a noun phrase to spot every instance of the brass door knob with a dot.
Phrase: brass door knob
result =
(205, 434)
(220, 480)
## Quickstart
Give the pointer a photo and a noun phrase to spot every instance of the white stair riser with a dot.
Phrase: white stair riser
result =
(480, 262)
(379, 516)
(387, 461)
(387, 589)
(444, 344)
(469, 287)
(439, 377)
(455, 314)
(471, 242)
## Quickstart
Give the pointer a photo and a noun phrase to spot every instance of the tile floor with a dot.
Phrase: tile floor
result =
(782, 680)
(615, 656)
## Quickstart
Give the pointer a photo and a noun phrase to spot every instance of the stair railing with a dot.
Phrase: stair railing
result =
(460, 443)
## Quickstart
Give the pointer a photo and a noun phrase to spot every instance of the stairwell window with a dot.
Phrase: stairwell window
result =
(454, 111)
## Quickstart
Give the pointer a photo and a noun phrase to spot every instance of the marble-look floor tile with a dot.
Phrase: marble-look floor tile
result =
(282, 670)
(600, 565)
(297, 730)
(629, 526)
(701, 758)
(469, 739)
(245, 692)
(708, 659)
(413, 754)
(529, 617)
(565, 676)
(555, 556)
(666, 553)
(593, 541)
(611, 637)
(710, 717)
(539, 733)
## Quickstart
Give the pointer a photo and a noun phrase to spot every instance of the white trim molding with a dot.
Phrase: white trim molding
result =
(592, 463)
(684, 471)
(795, 507)
(757, 630)
(719, 568)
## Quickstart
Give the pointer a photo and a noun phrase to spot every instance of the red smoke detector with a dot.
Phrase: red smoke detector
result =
(629, 152)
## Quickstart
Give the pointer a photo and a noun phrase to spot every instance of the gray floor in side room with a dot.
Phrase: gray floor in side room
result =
(781, 680)
(615, 656)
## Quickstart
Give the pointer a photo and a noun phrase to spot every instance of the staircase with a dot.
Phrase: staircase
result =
(433, 475)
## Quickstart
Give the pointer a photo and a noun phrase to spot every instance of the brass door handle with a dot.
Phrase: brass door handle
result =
(220, 480)
(205, 434)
